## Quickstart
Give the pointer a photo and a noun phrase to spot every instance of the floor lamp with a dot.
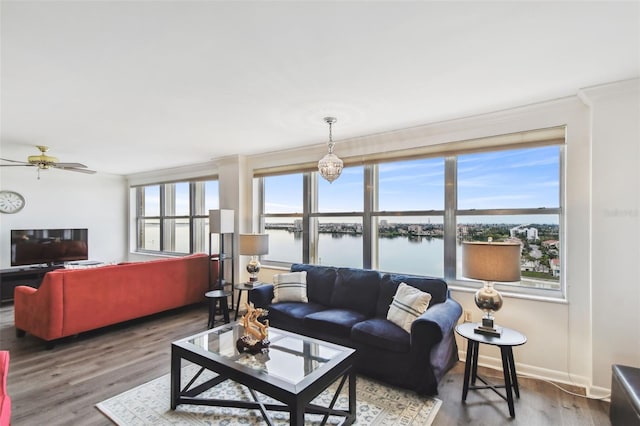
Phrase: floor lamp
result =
(221, 222)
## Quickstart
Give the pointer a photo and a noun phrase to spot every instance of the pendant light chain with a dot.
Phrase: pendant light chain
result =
(331, 143)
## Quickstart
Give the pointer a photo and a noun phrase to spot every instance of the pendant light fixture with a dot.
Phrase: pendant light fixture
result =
(330, 166)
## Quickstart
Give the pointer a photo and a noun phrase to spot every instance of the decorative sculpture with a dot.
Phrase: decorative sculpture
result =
(255, 332)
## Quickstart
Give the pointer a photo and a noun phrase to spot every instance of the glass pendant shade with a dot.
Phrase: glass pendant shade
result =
(330, 166)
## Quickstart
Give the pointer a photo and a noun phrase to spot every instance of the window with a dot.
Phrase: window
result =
(411, 216)
(409, 220)
(283, 207)
(514, 195)
(174, 217)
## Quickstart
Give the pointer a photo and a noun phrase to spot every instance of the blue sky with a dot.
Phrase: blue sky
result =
(524, 178)
(152, 198)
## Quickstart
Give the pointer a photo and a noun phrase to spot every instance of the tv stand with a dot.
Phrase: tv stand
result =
(25, 275)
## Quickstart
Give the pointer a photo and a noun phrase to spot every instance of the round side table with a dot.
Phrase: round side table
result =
(218, 297)
(506, 341)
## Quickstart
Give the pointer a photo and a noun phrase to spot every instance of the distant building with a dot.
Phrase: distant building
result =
(555, 267)
(531, 233)
(415, 229)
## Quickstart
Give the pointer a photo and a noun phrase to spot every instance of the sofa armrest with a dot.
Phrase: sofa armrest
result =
(40, 311)
(261, 296)
(438, 321)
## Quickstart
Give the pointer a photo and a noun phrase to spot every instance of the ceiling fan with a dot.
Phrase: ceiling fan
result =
(44, 162)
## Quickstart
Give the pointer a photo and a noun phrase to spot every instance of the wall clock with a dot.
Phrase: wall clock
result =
(11, 202)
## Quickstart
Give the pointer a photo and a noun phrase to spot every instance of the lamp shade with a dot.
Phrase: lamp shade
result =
(489, 261)
(221, 221)
(254, 244)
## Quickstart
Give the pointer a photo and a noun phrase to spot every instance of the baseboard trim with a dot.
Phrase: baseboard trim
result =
(571, 382)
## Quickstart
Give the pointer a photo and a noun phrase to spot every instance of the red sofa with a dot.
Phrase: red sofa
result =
(5, 401)
(71, 301)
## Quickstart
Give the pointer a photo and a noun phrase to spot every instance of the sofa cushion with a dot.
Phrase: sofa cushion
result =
(408, 304)
(320, 281)
(290, 287)
(356, 289)
(284, 312)
(337, 322)
(389, 283)
(381, 333)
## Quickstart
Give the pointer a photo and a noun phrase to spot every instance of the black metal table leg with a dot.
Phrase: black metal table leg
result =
(238, 304)
(474, 363)
(514, 376)
(467, 369)
(506, 369)
(175, 379)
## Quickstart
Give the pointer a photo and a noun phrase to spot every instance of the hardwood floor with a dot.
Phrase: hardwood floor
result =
(61, 386)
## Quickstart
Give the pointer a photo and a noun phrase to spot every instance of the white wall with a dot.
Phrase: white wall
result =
(615, 212)
(63, 199)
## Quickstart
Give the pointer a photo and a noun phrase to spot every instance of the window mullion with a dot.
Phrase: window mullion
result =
(309, 205)
(368, 245)
(450, 205)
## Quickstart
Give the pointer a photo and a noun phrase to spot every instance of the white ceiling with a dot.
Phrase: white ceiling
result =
(130, 86)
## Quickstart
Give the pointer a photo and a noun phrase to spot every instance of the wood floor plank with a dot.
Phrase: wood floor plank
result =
(62, 386)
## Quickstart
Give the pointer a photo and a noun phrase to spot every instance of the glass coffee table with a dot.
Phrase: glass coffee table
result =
(294, 371)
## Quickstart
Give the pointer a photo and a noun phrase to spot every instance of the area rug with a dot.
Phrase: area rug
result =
(377, 404)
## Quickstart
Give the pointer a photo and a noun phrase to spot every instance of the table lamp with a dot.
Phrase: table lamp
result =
(490, 262)
(254, 245)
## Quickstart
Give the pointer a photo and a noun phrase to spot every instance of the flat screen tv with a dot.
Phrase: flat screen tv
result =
(48, 246)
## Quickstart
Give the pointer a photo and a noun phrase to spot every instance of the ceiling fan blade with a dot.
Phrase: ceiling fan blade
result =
(15, 161)
(17, 165)
(73, 169)
(67, 165)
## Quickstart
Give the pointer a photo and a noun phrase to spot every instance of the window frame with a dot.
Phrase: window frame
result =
(450, 215)
(197, 194)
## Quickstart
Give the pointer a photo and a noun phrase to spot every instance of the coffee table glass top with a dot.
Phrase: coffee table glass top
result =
(290, 357)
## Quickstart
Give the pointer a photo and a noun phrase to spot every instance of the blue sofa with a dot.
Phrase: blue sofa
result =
(349, 307)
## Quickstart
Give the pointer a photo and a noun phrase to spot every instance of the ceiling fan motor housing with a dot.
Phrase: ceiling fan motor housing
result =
(43, 160)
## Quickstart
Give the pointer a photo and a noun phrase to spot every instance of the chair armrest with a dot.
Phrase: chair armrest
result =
(437, 321)
(261, 296)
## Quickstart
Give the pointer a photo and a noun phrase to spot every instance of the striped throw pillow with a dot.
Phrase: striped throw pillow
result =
(408, 304)
(290, 287)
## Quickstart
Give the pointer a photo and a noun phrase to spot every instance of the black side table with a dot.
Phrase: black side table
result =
(218, 297)
(505, 342)
(243, 287)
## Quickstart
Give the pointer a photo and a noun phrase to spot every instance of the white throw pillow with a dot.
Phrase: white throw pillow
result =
(290, 287)
(408, 304)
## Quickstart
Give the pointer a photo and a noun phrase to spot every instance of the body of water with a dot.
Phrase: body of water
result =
(423, 256)
(415, 255)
